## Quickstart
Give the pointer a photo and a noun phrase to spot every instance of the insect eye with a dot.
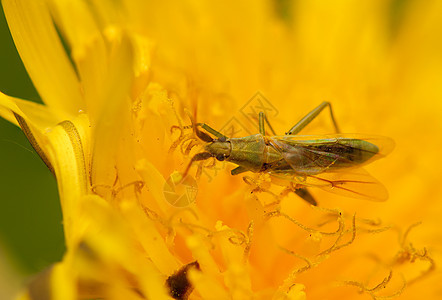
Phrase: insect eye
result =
(220, 157)
(222, 139)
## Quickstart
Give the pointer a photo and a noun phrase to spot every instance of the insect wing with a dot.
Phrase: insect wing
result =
(353, 182)
(309, 155)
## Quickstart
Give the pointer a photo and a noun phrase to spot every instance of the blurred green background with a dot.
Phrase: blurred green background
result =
(31, 232)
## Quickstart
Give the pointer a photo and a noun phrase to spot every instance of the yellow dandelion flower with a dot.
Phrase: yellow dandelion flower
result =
(115, 132)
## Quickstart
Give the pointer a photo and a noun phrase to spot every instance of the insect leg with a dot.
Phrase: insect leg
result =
(268, 124)
(262, 118)
(305, 194)
(211, 130)
(208, 129)
(262, 130)
(197, 157)
(310, 117)
(238, 170)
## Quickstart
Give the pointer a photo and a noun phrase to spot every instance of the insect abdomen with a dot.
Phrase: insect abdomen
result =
(322, 155)
(340, 153)
(349, 150)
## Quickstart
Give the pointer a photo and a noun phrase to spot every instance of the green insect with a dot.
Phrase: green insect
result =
(331, 162)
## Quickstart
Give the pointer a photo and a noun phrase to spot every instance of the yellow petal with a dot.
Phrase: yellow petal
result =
(60, 144)
(62, 283)
(76, 21)
(65, 148)
(207, 286)
(154, 182)
(233, 247)
(42, 53)
(107, 73)
(34, 119)
(151, 240)
(40, 116)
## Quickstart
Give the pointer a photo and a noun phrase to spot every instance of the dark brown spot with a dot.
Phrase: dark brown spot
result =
(179, 284)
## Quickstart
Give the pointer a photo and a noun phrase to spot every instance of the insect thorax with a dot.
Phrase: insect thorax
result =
(248, 152)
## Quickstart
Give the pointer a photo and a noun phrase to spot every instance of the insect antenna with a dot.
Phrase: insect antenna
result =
(200, 134)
